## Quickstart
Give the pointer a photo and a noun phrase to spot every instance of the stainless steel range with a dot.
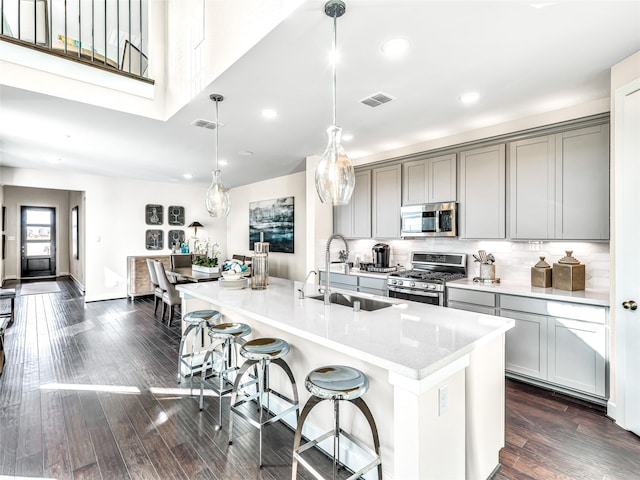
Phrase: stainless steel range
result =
(426, 280)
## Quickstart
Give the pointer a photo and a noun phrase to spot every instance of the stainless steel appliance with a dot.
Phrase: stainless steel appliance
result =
(381, 253)
(426, 280)
(429, 220)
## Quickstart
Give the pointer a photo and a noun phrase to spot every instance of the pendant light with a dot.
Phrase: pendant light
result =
(217, 199)
(335, 177)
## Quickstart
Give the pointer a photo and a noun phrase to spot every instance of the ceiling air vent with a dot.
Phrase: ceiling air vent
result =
(377, 99)
(211, 125)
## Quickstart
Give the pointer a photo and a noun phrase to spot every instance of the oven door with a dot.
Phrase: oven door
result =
(431, 298)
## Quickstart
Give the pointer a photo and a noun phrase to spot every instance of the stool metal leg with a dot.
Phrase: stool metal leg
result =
(364, 408)
(297, 450)
(336, 436)
(234, 394)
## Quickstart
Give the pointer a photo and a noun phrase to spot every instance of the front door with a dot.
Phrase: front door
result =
(38, 246)
(627, 260)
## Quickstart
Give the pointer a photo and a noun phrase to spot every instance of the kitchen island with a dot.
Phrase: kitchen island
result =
(436, 374)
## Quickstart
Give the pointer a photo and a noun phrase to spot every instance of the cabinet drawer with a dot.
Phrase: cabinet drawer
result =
(586, 313)
(377, 283)
(471, 296)
(472, 308)
(340, 278)
(374, 291)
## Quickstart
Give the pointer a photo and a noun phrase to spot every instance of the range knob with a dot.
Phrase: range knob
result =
(412, 284)
(399, 282)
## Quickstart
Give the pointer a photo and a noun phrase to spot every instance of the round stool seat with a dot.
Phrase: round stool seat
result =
(265, 349)
(198, 316)
(337, 382)
(226, 330)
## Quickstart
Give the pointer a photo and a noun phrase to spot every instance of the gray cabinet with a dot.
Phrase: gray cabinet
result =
(559, 186)
(358, 283)
(526, 344)
(386, 201)
(582, 184)
(554, 343)
(471, 300)
(354, 220)
(482, 193)
(429, 180)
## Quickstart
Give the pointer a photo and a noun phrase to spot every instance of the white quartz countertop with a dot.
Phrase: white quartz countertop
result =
(587, 297)
(410, 339)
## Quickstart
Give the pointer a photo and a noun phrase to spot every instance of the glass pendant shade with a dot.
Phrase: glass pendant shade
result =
(217, 199)
(335, 177)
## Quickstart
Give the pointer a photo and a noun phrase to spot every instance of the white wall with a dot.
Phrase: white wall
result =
(115, 221)
(285, 265)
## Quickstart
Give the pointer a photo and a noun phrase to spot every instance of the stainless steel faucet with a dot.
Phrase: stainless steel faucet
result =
(327, 290)
(301, 289)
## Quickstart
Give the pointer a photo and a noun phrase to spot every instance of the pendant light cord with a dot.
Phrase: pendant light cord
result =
(217, 128)
(335, 61)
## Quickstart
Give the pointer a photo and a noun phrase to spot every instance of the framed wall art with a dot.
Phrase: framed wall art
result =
(154, 239)
(273, 218)
(153, 214)
(175, 238)
(175, 215)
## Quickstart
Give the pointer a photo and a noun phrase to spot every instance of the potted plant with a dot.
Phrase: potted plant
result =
(205, 257)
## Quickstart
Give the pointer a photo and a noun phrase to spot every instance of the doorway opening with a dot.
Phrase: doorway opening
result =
(38, 242)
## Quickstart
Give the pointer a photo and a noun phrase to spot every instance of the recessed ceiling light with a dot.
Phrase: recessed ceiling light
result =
(269, 113)
(395, 47)
(245, 153)
(347, 137)
(187, 176)
(469, 97)
(223, 163)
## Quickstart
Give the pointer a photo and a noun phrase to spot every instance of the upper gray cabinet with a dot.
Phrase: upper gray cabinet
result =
(482, 193)
(354, 220)
(386, 187)
(559, 186)
(429, 180)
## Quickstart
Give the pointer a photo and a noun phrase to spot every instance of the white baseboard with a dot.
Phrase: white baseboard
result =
(79, 285)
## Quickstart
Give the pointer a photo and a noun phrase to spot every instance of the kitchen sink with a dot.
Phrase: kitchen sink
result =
(367, 304)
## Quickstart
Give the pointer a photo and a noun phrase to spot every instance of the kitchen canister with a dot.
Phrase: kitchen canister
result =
(260, 265)
(541, 275)
(568, 273)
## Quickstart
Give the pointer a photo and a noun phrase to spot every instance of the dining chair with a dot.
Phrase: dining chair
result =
(157, 291)
(170, 295)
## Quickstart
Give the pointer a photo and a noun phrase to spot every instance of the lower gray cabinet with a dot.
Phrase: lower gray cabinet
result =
(526, 345)
(357, 283)
(560, 344)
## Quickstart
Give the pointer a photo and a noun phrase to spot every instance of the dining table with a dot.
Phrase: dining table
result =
(187, 273)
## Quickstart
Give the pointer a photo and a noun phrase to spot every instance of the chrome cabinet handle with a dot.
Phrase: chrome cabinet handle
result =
(630, 305)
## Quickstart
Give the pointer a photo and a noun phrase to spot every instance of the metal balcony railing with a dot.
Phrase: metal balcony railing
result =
(110, 34)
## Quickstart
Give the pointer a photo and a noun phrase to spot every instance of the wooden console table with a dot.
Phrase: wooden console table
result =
(138, 281)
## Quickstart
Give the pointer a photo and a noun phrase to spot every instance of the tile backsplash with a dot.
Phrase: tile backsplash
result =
(513, 259)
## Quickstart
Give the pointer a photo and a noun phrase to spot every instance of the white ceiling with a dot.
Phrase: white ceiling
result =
(521, 59)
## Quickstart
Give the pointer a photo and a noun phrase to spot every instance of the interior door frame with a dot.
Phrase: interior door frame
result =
(56, 211)
(626, 407)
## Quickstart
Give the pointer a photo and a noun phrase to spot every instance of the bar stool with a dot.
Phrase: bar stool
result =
(197, 320)
(9, 294)
(225, 339)
(336, 383)
(262, 352)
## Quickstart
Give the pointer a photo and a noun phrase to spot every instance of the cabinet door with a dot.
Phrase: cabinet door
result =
(577, 355)
(441, 178)
(532, 188)
(526, 344)
(482, 192)
(582, 184)
(361, 201)
(354, 219)
(414, 182)
(386, 202)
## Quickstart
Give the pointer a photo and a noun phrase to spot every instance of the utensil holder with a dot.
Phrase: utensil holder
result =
(487, 271)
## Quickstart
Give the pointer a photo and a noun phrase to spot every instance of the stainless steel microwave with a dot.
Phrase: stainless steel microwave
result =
(429, 220)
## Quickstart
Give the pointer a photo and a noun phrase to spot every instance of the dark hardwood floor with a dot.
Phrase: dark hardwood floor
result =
(89, 391)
